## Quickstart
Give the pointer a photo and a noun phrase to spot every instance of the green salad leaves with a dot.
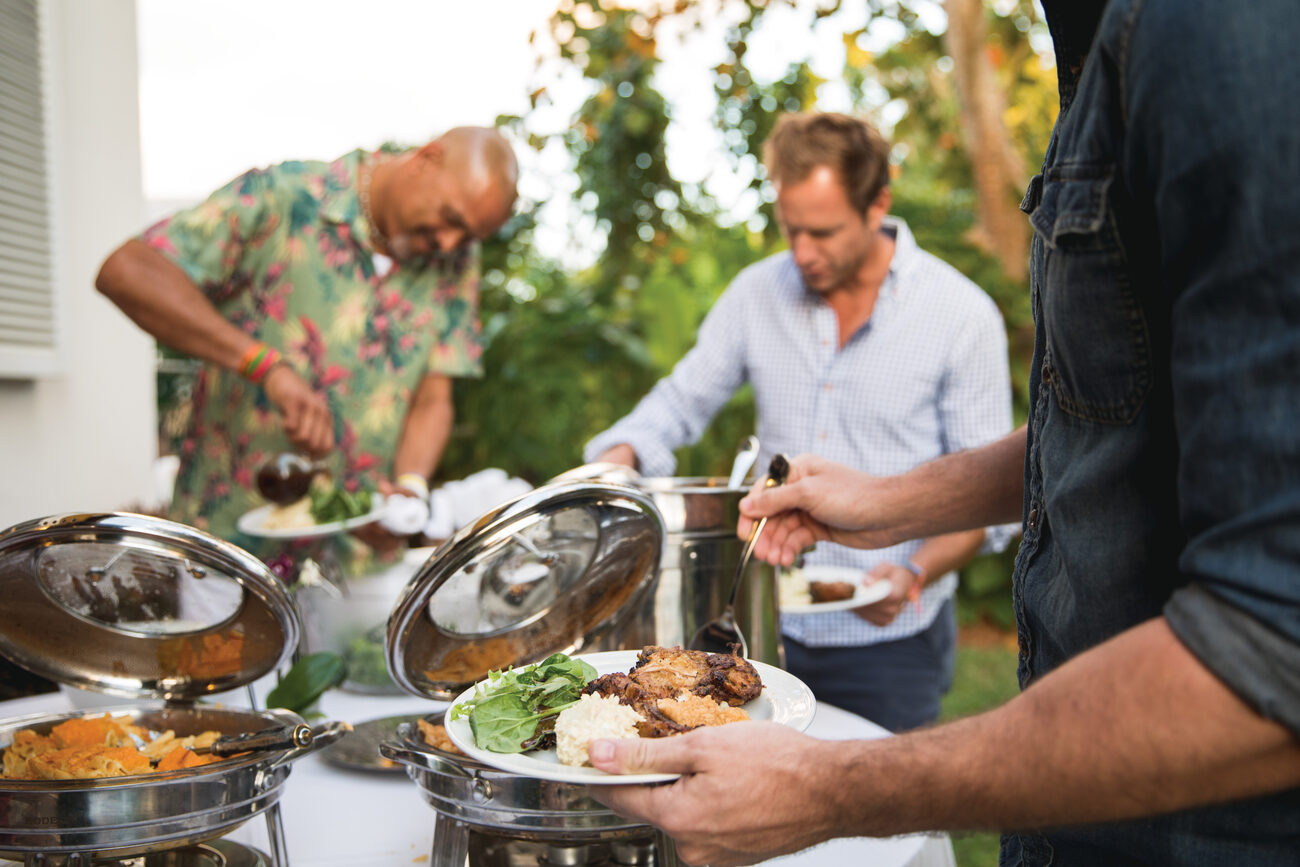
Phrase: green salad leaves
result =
(335, 504)
(514, 711)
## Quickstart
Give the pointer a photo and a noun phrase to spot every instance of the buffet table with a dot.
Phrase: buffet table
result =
(335, 817)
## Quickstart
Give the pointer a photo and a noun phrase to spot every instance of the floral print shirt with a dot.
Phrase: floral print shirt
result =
(284, 253)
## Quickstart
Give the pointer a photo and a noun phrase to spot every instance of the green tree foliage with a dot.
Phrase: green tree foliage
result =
(569, 353)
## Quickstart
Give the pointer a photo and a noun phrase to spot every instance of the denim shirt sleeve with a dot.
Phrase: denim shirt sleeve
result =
(681, 405)
(1214, 146)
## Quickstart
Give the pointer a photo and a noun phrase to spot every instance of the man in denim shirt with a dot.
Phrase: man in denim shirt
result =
(1157, 589)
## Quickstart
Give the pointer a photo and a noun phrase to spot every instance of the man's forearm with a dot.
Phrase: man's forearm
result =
(970, 489)
(158, 296)
(1134, 727)
(427, 428)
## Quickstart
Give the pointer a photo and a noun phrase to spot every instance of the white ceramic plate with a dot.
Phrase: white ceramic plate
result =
(865, 595)
(785, 699)
(253, 523)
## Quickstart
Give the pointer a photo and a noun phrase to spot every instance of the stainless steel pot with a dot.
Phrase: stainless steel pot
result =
(124, 817)
(701, 553)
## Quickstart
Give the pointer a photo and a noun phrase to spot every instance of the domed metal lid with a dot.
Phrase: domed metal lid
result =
(550, 571)
(137, 606)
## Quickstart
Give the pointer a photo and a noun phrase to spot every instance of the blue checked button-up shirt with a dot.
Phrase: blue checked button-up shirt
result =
(926, 376)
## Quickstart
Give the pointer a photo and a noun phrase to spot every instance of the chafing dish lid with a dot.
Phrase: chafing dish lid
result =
(137, 606)
(550, 571)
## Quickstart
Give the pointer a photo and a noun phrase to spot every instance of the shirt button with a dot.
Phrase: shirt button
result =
(822, 435)
(1033, 518)
(828, 387)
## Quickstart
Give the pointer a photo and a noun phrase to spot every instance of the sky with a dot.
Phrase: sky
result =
(229, 85)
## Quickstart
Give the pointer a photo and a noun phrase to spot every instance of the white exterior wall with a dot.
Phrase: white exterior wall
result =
(84, 438)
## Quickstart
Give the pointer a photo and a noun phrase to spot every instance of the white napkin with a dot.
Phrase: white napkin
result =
(403, 515)
(458, 503)
(441, 524)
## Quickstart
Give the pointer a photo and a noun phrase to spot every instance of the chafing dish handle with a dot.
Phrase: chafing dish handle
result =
(288, 738)
(423, 760)
(299, 739)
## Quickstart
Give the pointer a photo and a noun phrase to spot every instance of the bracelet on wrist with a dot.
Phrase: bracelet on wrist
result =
(916, 569)
(257, 362)
(914, 595)
(415, 483)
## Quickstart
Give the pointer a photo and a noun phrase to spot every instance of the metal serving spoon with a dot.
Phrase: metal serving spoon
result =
(745, 457)
(722, 634)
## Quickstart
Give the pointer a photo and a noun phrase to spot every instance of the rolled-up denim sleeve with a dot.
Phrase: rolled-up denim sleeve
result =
(681, 405)
(1210, 95)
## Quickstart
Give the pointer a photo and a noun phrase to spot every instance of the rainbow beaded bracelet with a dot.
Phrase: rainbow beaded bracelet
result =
(257, 362)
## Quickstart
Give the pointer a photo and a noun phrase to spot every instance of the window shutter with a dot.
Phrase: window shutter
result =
(27, 316)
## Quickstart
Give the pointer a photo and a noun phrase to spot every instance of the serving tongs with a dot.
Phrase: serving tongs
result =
(298, 737)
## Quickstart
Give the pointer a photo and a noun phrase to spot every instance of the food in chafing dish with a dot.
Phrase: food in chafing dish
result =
(87, 748)
(561, 702)
(435, 735)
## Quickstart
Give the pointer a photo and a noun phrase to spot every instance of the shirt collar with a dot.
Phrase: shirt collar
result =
(905, 249)
(1073, 24)
(340, 203)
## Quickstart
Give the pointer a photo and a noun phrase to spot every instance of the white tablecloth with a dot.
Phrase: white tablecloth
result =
(338, 818)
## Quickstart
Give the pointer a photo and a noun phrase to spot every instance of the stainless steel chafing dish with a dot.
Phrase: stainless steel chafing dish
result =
(570, 567)
(162, 614)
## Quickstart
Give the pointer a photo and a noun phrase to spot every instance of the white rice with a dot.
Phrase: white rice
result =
(792, 588)
(592, 718)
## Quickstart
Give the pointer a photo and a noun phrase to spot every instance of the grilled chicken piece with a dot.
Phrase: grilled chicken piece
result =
(654, 723)
(666, 671)
(830, 591)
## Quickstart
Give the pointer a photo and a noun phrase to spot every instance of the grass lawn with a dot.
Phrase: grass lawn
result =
(985, 678)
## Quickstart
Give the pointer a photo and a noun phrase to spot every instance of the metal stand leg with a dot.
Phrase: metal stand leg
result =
(665, 850)
(450, 842)
(275, 834)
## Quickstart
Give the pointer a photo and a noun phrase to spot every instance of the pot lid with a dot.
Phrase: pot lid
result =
(548, 572)
(141, 607)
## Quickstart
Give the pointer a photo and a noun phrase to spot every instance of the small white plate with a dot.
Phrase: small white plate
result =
(865, 595)
(784, 699)
(253, 523)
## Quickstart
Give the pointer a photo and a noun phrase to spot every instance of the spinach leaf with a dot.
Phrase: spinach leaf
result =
(513, 711)
(336, 504)
(502, 724)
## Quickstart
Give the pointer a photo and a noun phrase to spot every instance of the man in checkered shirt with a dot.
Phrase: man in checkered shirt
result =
(865, 349)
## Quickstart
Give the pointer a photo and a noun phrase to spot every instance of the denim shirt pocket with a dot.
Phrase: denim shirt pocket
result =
(1098, 354)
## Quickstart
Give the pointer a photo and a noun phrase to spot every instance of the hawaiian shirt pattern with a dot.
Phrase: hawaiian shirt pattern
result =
(284, 253)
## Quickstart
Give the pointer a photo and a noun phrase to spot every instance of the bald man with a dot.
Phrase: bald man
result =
(332, 303)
